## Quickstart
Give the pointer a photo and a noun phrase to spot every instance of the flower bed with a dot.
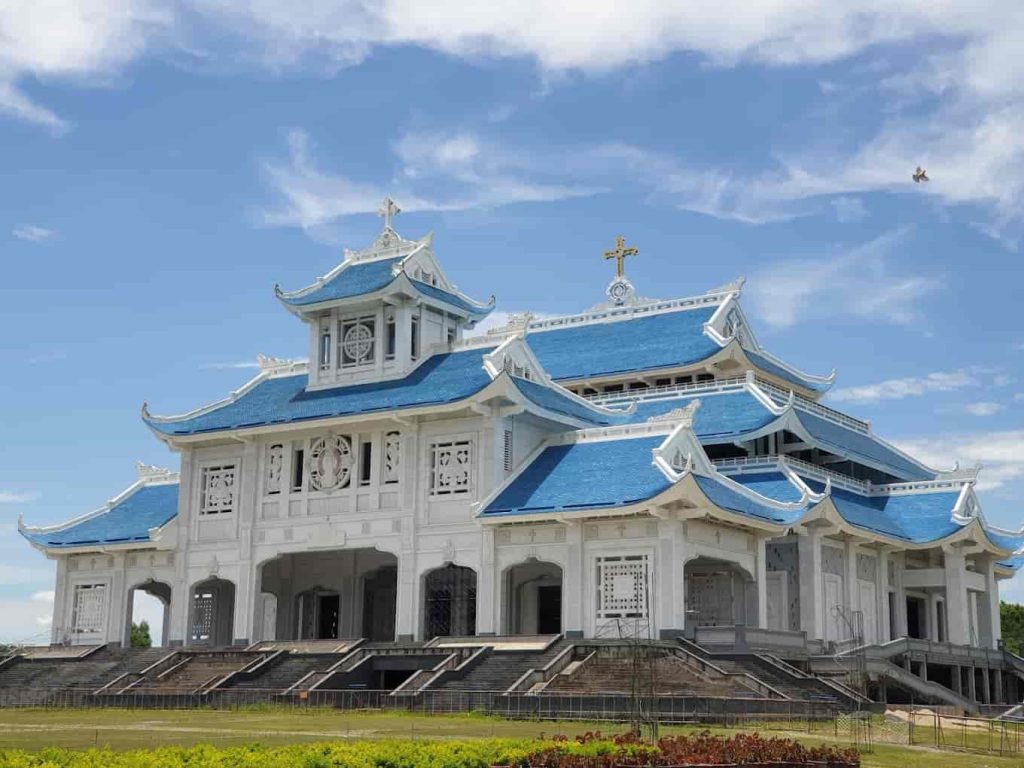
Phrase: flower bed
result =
(749, 750)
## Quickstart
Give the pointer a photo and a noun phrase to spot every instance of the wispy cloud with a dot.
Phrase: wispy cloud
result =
(984, 408)
(12, 497)
(854, 282)
(911, 386)
(1001, 454)
(32, 233)
(437, 172)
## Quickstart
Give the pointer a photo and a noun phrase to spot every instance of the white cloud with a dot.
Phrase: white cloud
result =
(983, 408)
(911, 386)
(81, 41)
(1001, 454)
(45, 596)
(438, 172)
(854, 282)
(32, 233)
(13, 497)
(20, 574)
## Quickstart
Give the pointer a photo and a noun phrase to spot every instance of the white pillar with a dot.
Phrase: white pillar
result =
(882, 594)
(761, 577)
(61, 602)
(488, 602)
(574, 580)
(900, 597)
(957, 622)
(812, 620)
(670, 581)
(992, 603)
(850, 583)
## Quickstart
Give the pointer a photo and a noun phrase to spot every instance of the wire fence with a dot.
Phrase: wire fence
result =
(906, 726)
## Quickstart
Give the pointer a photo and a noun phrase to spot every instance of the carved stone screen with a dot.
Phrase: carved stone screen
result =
(87, 612)
(623, 587)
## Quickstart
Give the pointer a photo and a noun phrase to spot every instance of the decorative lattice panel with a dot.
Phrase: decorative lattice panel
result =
(218, 490)
(392, 456)
(867, 567)
(204, 609)
(832, 560)
(357, 342)
(786, 557)
(89, 603)
(274, 468)
(451, 471)
(623, 587)
(330, 463)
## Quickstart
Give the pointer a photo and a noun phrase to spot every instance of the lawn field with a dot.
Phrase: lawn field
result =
(121, 730)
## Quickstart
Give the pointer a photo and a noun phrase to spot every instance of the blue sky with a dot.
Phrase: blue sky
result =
(164, 164)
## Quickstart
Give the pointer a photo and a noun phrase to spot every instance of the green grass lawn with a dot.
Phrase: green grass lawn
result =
(142, 729)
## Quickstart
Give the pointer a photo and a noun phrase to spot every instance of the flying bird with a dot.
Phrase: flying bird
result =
(920, 175)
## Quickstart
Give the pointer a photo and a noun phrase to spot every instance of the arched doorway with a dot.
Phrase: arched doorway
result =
(212, 613)
(380, 596)
(329, 594)
(718, 593)
(533, 598)
(449, 602)
(149, 602)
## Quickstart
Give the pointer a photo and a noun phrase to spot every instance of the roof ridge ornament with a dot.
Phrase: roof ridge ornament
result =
(621, 290)
(151, 472)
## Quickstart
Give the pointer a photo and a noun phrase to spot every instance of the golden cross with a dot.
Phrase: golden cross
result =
(619, 254)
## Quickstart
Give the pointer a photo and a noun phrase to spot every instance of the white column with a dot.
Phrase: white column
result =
(574, 580)
(957, 622)
(882, 595)
(991, 604)
(61, 611)
(761, 577)
(669, 583)
(850, 582)
(812, 620)
(900, 597)
(117, 606)
(488, 602)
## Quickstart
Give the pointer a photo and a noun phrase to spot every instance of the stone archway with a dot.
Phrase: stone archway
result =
(211, 613)
(155, 592)
(719, 593)
(533, 598)
(449, 602)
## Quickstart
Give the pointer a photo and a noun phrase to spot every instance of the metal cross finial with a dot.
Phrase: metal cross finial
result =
(620, 253)
(388, 210)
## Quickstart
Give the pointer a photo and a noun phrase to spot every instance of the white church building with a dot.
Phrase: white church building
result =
(644, 466)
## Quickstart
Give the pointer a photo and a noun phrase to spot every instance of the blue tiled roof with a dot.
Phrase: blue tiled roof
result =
(450, 298)
(920, 518)
(860, 446)
(639, 344)
(720, 415)
(442, 379)
(725, 497)
(610, 473)
(151, 506)
(366, 277)
(552, 400)
(768, 365)
(772, 485)
(353, 280)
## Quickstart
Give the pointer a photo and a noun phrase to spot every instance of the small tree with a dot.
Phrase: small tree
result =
(140, 635)
(1011, 617)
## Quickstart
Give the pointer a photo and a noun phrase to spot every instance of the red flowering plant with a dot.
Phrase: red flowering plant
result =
(750, 750)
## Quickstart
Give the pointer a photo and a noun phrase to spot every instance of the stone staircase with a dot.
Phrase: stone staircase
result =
(35, 681)
(193, 672)
(498, 670)
(285, 673)
(612, 671)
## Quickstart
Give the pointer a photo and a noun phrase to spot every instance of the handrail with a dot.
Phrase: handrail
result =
(544, 674)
